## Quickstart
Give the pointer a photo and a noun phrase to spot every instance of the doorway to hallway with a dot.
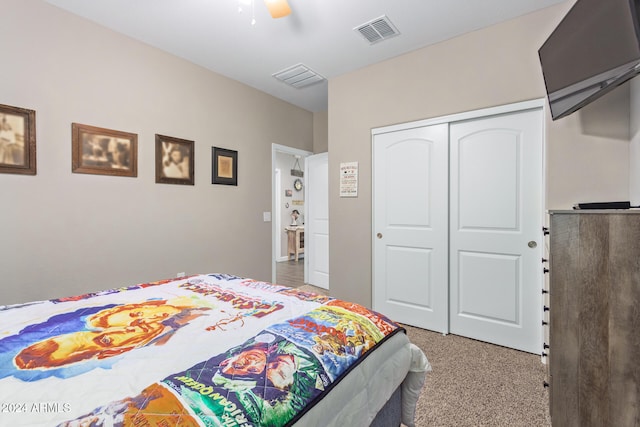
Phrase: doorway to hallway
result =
(286, 198)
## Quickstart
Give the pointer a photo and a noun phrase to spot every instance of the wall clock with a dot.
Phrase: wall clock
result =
(297, 184)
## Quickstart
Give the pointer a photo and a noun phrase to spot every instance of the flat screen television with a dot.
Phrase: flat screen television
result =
(595, 48)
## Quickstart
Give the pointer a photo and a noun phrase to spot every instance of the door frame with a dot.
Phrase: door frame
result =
(275, 208)
(533, 104)
(467, 115)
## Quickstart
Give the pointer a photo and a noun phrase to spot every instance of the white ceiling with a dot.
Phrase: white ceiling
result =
(319, 33)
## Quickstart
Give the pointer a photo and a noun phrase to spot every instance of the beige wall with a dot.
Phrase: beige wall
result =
(494, 66)
(320, 132)
(65, 233)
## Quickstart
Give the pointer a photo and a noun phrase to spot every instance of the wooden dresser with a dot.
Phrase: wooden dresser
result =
(594, 318)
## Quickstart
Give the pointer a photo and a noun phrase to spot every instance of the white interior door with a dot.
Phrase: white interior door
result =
(410, 224)
(316, 250)
(496, 229)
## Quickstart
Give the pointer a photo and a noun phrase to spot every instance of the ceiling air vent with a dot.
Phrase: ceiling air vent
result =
(298, 76)
(377, 30)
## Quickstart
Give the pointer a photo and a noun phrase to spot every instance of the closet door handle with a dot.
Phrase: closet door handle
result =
(379, 235)
(532, 244)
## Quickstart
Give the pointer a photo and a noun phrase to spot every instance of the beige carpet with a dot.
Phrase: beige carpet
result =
(477, 384)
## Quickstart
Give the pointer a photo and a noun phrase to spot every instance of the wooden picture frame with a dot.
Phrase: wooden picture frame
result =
(224, 166)
(17, 140)
(102, 151)
(174, 160)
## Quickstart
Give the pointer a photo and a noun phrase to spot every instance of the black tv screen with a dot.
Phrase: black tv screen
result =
(595, 48)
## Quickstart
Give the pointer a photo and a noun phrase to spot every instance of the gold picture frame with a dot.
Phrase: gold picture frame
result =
(101, 151)
(17, 140)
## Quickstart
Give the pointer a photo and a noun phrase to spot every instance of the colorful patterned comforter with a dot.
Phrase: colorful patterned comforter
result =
(208, 350)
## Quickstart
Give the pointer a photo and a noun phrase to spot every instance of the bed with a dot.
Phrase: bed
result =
(205, 350)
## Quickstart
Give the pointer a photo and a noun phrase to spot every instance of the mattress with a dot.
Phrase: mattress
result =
(207, 350)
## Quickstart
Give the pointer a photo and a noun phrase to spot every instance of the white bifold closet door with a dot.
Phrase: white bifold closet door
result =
(457, 227)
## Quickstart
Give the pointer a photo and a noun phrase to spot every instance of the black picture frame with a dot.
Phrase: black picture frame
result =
(224, 166)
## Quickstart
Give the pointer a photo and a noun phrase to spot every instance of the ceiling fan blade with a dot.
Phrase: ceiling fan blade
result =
(278, 8)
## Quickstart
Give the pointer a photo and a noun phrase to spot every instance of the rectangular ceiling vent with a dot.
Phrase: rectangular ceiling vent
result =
(377, 30)
(299, 76)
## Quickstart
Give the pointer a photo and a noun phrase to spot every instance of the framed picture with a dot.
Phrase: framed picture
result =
(17, 140)
(174, 160)
(224, 166)
(103, 151)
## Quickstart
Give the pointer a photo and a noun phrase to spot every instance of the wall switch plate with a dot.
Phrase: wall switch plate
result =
(266, 216)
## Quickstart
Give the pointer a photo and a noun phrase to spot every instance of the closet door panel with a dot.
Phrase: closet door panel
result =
(410, 268)
(496, 222)
(478, 182)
